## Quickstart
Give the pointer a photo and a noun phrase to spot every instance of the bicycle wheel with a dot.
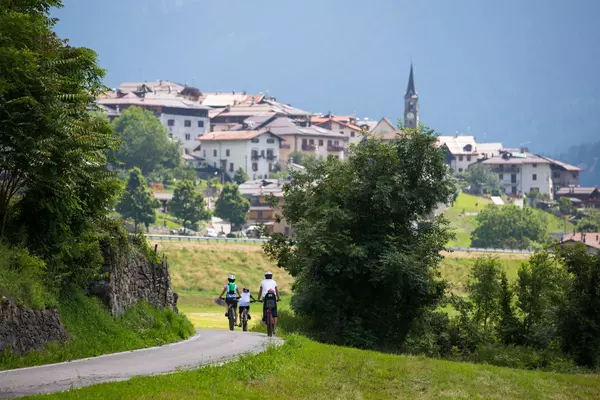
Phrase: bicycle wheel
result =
(245, 321)
(269, 324)
(231, 318)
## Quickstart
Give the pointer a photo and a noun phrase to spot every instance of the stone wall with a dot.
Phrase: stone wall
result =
(23, 330)
(129, 277)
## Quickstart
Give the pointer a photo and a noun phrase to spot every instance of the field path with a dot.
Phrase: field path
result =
(206, 347)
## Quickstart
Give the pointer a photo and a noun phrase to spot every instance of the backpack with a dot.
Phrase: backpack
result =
(270, 300)
(231, 288)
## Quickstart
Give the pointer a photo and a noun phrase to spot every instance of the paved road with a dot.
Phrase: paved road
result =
(204, 348)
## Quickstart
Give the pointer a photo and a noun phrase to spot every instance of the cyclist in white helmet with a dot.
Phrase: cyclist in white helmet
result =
(269, 287)
(232, 293)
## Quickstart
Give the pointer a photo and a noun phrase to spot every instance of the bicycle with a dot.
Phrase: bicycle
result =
(244, 319)
(232, 314)
(269, 317)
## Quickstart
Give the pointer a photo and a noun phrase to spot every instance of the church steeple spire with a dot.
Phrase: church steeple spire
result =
(410, 89)
(411, 103)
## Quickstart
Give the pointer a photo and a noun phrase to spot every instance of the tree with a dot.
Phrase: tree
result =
(137, 202)
(54, 188)
(509, 326)
(509, 227)
(590, 223)
(364, 267)
(481, 179)
(144, 141)
(232, 206)
(240, 176)
(188, 205)
(566, 206)
(580, 315)
(484, 289)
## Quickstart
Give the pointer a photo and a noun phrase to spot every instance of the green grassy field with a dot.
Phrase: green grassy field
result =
(303, 369)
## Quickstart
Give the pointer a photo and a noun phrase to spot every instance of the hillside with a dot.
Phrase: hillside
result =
(303, 369)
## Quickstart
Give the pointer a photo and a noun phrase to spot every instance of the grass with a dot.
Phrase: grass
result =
(171, 222)
(94, 332)
(303, 369)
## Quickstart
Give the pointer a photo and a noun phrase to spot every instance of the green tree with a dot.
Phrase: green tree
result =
(138, 202)
(144, 141)
(359, 253)
(240, 176)
(590, 223)
(188, 205)
(54, 188)
(580, 314)
(232, 206)
(509, 326)
(540, 292)
(566, 206)
(481, 179)
(509, 227)
(484, 289)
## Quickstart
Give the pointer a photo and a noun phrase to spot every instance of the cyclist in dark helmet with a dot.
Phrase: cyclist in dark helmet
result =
(244, 303)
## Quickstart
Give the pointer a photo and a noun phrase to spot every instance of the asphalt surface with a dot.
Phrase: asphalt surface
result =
(206, 347)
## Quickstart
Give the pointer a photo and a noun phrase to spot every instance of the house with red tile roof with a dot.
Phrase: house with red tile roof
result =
(590, 240)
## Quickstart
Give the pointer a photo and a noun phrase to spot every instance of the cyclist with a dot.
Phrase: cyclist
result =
(244, 303)
(233, 293)
(269, 287)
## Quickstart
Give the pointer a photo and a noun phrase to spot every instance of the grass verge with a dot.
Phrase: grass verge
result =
(94, 332)
(303, 369)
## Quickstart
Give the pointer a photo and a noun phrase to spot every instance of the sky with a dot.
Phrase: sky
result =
(516, 71)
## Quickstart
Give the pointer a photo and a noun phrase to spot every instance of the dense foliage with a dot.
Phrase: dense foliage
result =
(481, 179)
(509, 227)
(232, 206)
(240, 176)
(137, 202)
(145, 142)
(590, 222)
(364, 259)
(188, 205)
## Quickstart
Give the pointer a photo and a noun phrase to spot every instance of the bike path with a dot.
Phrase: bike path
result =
(206, 347)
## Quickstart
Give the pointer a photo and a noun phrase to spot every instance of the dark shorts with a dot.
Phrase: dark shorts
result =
(242, 308)
(232, 300)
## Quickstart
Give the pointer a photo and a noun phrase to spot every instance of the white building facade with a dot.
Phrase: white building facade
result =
(185, 125)
(256, 152)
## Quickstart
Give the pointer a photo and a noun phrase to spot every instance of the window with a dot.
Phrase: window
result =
(341, 132)
(204, 153)
(320, 142)
(468, 158)
(270, 140)
(259, 214)
(311, 141)
(304, 142)
(227, 153)
(171, 135)
(501, 177)
(214, 153)
(575, 176)
(254, 140)
(534, 177)
(329, 143)
(336, 142)
(187, 123)
(171, 122)
(460, 158)
(188, 136)
(460, 170)
(187, 151)
(270, 167)
(231, 167)
(212, 128)
(534, 165)
(556, 174)
(352, 134)
(200, 124)
(254, 166)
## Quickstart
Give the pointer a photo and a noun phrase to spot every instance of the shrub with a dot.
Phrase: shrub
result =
(231, 235)
(21, 276)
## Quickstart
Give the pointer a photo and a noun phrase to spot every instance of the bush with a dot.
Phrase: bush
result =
(523, 357)
(22, 277)
(231, 235)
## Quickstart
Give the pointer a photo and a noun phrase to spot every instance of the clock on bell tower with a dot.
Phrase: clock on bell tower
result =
(411, 103)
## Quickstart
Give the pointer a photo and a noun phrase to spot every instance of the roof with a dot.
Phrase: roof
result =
(391, 135)
(589, 239)
(224, 99)
(514, 159)
(191, 157)
(488, 148)
(233, 135)
(149, 100)
(162, 196)
(458, 144)
(576, 190)
(410, 88)
(563, 165)
(368, 123)
(263, 108)
(283, 126)
(262, 187)
(344, 124)
(156, 86)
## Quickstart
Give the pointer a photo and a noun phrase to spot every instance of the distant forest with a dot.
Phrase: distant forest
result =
(586, 156)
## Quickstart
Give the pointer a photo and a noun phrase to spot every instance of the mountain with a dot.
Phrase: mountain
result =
(586, 156)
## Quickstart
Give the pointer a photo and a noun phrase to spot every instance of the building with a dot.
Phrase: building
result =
(521, 172)
(176, 107)
(463, 151)
(590, 240)
(411, 103)
(384, 126)
(583, 197)
(563, 174)
(341, 125)
(312, 140)
(255, 151)
(261, 212)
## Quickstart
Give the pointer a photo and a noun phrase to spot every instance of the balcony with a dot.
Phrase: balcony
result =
(335, 148)
(255, 156)
(285, 146)
(308, 147)
(271, 157)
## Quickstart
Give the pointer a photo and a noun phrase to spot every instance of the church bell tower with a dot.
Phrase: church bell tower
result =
(411, 103)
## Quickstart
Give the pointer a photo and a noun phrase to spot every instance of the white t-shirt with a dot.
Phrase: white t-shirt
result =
(267, 284)
(244, 299)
